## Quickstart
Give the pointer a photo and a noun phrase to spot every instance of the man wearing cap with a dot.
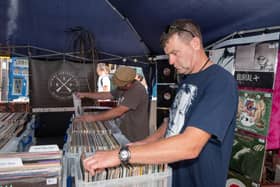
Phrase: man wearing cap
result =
(132, 106)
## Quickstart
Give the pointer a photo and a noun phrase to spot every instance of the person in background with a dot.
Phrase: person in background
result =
(132, 106)
(141, 79)
(103, 82)
(198, 136)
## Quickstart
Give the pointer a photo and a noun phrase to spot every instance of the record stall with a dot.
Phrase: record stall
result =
(51, 85)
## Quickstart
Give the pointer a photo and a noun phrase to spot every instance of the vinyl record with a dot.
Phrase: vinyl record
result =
(166, 95)
(166, 73)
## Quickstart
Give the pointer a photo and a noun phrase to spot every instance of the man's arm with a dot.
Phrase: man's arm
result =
(95, 95)
(187, 145)
(102, 116)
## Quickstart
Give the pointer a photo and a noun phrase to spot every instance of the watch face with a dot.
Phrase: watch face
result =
(61, 85)
(124, 154)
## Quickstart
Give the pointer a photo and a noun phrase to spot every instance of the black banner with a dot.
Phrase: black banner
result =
(53, 82)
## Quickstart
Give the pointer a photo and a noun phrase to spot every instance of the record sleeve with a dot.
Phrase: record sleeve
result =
(248, 156)
(225, 57)
(254, 110)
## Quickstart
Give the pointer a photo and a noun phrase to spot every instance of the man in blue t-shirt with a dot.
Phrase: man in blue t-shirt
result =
(198, 137)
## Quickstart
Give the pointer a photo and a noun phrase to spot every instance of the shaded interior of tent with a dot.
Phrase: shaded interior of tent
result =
(113, 32)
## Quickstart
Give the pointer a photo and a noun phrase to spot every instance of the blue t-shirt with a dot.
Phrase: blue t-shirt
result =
(206, 100)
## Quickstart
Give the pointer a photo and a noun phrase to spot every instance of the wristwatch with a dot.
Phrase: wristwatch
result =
(124, 155)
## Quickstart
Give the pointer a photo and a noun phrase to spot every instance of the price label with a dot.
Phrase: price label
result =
(43, 148)
(51, 181)
(10, 162)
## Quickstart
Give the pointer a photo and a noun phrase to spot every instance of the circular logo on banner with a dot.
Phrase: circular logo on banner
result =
(61, 85)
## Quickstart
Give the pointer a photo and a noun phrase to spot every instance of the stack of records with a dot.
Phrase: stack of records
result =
(122, 171)
(92, 136)
(92, 127)
(30, 169)
(90, 142)
(11, 124)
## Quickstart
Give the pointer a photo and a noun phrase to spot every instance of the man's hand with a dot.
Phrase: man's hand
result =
(85, 118)
(81, 95)
(101, 160)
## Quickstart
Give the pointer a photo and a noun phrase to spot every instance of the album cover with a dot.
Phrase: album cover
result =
(224, 57)
(260, 57)
(247, 156)
(254, 110)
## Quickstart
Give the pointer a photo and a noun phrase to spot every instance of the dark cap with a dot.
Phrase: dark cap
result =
(123, 76)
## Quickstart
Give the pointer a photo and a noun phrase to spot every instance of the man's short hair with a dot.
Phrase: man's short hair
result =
(185, 28)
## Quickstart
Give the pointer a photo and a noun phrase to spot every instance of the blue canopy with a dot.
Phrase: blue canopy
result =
(126, 27)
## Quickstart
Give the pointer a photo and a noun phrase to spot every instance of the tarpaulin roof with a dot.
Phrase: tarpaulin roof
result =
(126, 27)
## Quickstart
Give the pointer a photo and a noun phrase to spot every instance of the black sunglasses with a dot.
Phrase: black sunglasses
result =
(170, 28)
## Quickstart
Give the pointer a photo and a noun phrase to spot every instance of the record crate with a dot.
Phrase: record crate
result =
(23, 141)
(160, 179)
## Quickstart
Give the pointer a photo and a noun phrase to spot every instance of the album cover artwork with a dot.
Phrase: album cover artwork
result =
(247, 157)
(224, 57)
(259, 57)
(254, 110)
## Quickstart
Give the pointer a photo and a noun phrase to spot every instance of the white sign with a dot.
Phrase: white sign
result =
(43, 148)
(10, 162)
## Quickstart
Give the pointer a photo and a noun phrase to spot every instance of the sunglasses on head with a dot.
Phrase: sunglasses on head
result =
(173, 28)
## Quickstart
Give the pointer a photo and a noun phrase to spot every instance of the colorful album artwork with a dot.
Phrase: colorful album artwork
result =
(247, 156)
(224, 57)
(254, 110)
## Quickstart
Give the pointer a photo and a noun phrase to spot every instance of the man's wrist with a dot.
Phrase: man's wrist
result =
(124, 154)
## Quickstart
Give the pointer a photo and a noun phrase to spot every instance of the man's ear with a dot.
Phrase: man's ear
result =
(196, 43)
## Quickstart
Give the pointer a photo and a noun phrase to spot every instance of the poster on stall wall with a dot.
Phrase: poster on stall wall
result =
(255, 65)
(4, 77)
(54, 82)
(247, 157)
(224, 57)
(254, 109)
